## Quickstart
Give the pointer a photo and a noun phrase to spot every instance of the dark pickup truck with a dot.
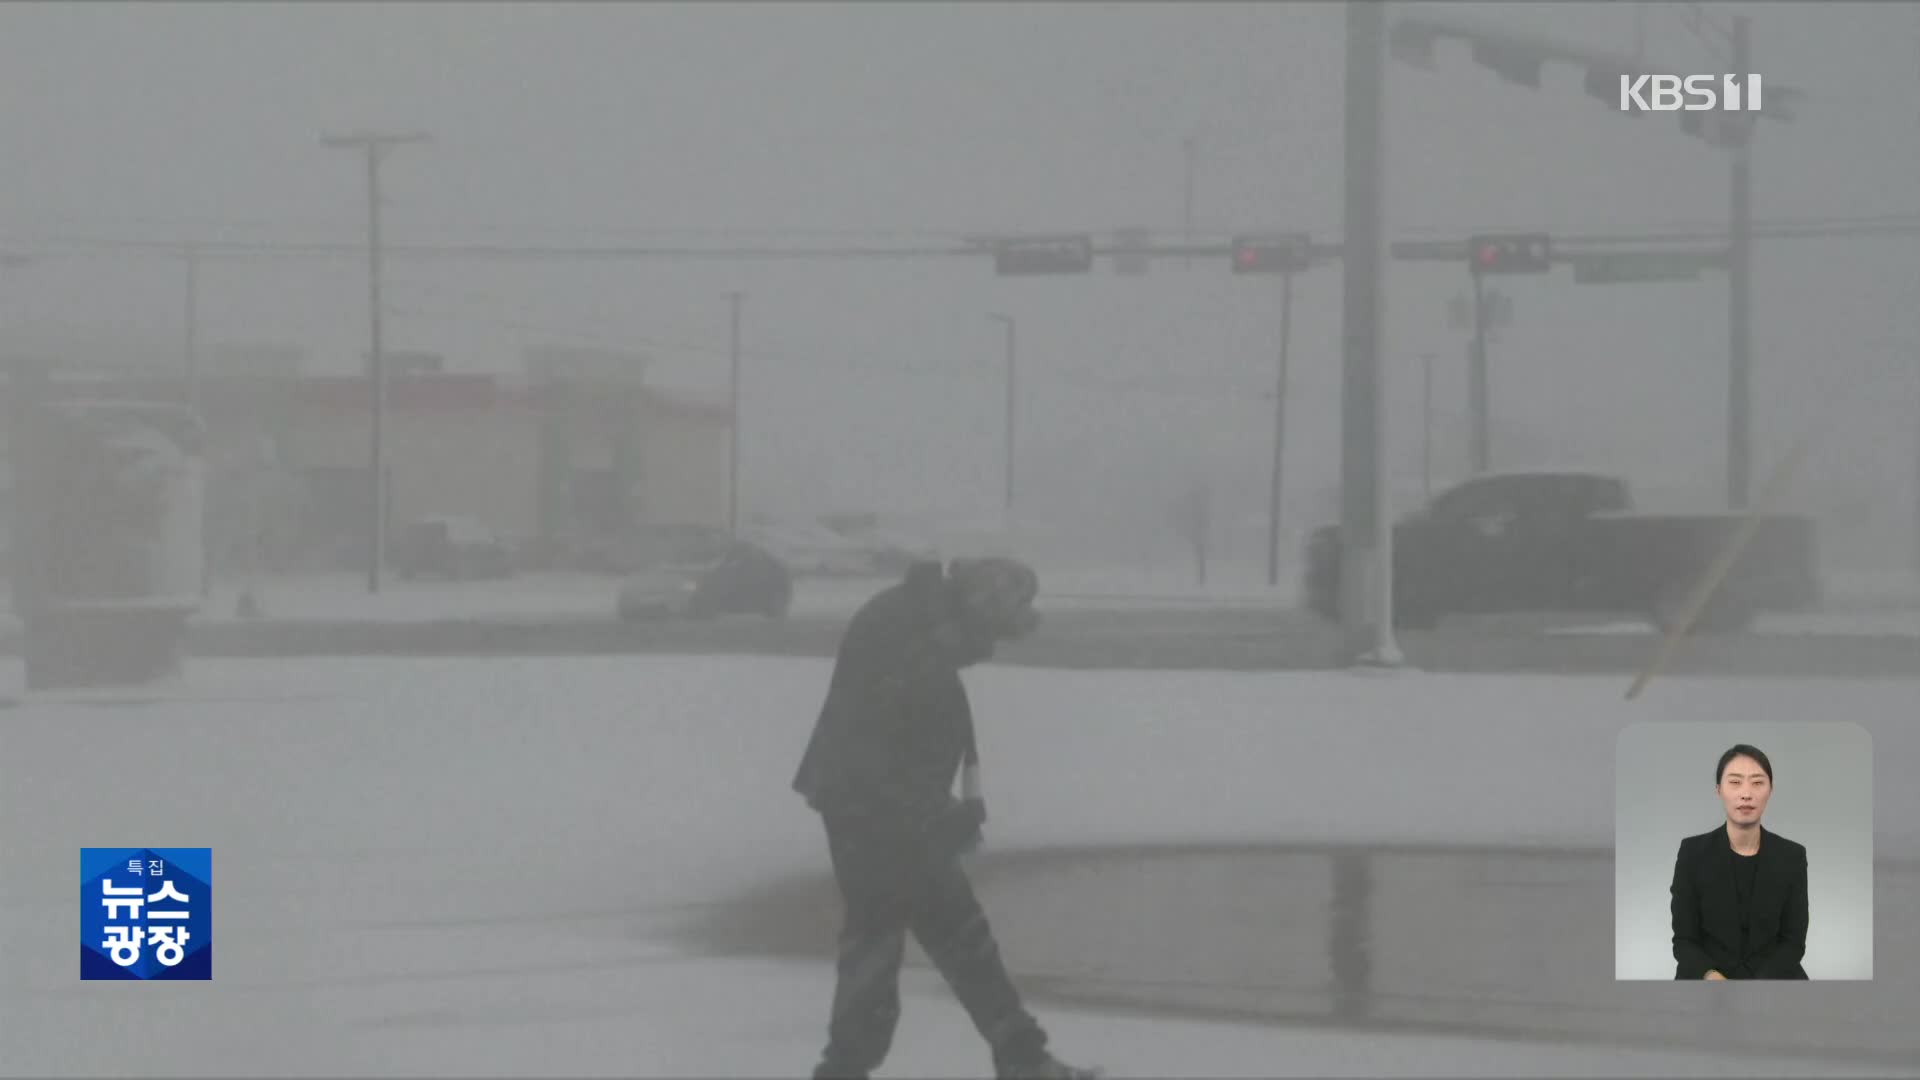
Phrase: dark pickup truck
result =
(1568, 542)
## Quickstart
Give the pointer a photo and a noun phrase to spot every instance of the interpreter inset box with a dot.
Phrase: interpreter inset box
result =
(1743, 851)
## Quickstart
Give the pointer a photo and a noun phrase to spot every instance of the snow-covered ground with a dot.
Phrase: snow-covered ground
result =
(475, 867)
(1861, 603)
(1893, 623)
(345, 597)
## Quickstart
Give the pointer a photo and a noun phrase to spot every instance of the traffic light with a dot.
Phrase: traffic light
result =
(1521, 253)
(1043, 255)
(1285, 253)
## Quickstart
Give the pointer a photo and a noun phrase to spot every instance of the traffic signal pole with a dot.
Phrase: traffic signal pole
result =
(1366, 564)
(1477, 393)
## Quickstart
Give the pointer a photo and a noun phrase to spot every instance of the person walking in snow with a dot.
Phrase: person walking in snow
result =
(879, 769)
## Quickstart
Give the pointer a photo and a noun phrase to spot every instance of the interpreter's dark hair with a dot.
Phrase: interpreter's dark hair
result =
(1742, 750)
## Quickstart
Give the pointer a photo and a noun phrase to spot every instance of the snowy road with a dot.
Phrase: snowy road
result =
(485, 867)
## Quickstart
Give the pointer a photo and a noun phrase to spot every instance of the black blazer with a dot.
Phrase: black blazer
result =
(1706, 913)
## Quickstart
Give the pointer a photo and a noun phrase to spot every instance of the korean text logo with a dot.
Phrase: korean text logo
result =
(146, 913)
(1694, 93)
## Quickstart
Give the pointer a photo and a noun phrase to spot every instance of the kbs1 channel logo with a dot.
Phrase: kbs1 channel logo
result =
(146, 913)
(1691, 93)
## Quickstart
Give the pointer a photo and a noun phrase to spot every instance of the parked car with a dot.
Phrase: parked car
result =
(1569, 541)
(746, 579)
(451, 547)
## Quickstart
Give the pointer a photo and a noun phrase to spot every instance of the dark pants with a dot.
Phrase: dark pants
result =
(891, 887)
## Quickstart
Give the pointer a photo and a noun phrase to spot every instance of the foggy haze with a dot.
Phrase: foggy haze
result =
(877, 382)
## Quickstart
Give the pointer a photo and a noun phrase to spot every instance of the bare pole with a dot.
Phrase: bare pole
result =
(1012, 375)
(1189, 148)
(374, 146)
(734, 300)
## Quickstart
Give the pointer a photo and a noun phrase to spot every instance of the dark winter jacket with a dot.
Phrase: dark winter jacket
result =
(1706, 909)
(896, 724)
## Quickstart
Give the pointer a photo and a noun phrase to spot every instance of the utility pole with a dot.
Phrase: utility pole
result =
(1012, 376)
(733, 413)
(1366, 565)
(375, 145)
(1740, 289)
(1279, 431)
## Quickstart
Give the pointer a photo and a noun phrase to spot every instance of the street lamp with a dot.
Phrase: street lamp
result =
(1012, 373)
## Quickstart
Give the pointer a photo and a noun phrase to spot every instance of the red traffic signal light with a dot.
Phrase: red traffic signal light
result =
(1287, 253)
(1523, 253)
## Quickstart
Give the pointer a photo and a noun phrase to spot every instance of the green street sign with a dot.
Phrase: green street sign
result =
(1629, 266)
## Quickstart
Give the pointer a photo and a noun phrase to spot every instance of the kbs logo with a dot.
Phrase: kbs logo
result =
(1694, 93)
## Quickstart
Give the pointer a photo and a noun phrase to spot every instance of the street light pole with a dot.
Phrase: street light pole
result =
(192, 329)
(1478, 407)
(374, 145)
(734, 300)
(1012, 376)
(1279, 432)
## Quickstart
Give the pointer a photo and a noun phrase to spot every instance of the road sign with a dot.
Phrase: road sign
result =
(1627, 266)
(1070, 254)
